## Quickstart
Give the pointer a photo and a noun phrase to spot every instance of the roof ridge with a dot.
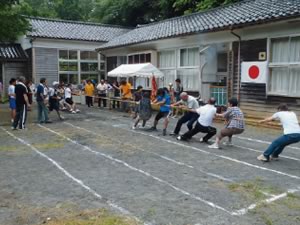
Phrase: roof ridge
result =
(78, 22)
(198, 13)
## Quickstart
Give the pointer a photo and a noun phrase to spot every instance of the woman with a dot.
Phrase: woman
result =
(235, 123)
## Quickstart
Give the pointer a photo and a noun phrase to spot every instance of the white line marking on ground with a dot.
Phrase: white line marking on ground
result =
(219, 156)
(80, 182)
(268, 201)
(261, 141)
(255, 150)
(161, 156)
(211, 204)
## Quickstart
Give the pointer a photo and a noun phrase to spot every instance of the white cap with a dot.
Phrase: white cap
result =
(55, 83)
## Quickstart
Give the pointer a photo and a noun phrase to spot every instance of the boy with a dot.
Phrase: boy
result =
(54, 99)
(69, 100)
(12, 98)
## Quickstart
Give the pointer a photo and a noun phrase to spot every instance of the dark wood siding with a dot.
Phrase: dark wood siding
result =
(253, 98)
(46, 64)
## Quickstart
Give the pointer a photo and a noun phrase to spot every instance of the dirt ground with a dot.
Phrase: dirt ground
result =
(93, 162)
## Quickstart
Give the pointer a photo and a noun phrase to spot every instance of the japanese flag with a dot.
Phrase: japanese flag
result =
(254, 72)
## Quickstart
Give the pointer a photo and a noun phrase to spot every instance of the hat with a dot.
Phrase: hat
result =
(55, 83)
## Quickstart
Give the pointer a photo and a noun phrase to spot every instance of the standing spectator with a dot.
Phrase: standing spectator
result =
(235, 123)
(22, 104)
(291, 133)
(29, 91)
(187, 102)
(126, 94)
(163, 100)
(204, 124)
(89, 93)
(116, 94)
(41, 102)
(54, 99)
(102, 91)
(12, 98)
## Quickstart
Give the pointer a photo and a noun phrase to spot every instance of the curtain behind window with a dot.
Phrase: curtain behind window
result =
(167, 59)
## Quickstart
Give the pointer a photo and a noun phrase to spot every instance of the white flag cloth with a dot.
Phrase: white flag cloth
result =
(254, 72)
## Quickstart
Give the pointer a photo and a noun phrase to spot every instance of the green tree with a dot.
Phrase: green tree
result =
(12, 24)
(69, 10)
(41, 8)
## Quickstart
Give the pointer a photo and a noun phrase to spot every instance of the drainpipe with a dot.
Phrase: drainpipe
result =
(239, 64)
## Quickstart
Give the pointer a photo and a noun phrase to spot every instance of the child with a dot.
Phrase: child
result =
(54, 99)
(69, 100)
(144, 110)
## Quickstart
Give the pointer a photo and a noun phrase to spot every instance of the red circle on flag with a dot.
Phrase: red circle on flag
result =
(253, 72)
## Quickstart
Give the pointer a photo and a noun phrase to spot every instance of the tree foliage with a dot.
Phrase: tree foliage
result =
(12, 24)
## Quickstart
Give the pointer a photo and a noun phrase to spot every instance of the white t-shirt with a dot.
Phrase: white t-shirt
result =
(207, 114)
(68, 93)
(11, 90)
(191, 103)
(289, 121)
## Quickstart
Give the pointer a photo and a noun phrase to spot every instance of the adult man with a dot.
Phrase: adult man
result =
(41, 102)
(291, 133)
(102, 91)
(189, 103)
(203, 125)
(22, 104)
(163, 100)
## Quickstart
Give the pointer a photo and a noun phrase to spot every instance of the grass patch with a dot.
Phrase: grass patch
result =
(6, 148)
(253, 190)
(100, 217)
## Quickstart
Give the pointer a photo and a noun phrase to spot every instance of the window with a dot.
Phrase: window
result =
(88, 67)
(285, 67)
(68, 78)
(139, 58)
(88, 55)
(189, 57)
(189, 78)
(166, 59)
(222, 62)
(93, 77)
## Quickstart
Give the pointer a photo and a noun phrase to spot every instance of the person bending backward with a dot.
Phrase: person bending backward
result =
(204, 124)
(69, 99)
(189, 103)
(291, 133)
(163, 100)
(235, 123)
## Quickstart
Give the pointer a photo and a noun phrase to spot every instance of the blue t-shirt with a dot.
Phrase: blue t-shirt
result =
(165, 107)
(39, 91)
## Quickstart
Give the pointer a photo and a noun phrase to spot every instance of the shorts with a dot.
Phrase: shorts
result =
(12, 103)
(161, 115)
(228, 132)
(69, 101)
(53, 105)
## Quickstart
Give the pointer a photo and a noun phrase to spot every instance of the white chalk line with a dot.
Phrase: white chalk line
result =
(195, 197)
(261, 141)
(266, 201)
(78, 181)
(160, 156)
(255, 150)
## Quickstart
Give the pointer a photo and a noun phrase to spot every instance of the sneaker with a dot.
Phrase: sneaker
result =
(13, 128)
(48, 121)
(227, 143)
(164, 132)
(179, 138)
(73, 112)
(153, 129)
(262, 158)
(202, 140)
(215, 146)
(64, 108)
(133, 127)
(77, 110)
(173, 134)
(61, 118)
(274, 158)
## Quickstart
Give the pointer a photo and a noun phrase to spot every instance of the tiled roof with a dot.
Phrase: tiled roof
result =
(12, 52)
(74, 30)
(232, 16)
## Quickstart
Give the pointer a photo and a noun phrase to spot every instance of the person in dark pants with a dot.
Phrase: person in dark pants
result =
(189, 103)
(102, 91)
(89, 93)
(22, 104)
(116, 94)
(40, 98)
(204, 123)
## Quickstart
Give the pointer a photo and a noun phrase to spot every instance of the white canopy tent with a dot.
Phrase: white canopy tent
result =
(145, 70)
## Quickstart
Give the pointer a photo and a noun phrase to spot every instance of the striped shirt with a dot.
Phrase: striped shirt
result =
(235, 118)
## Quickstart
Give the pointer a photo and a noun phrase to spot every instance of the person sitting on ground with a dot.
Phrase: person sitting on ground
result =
(12, 98)
(204, 124)
(235, 123)
(189, 104)
(144, 110)
(137, 96)
(69, 99)
(89, 93)
(163, 100)
(54, 99)
(291, 133)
